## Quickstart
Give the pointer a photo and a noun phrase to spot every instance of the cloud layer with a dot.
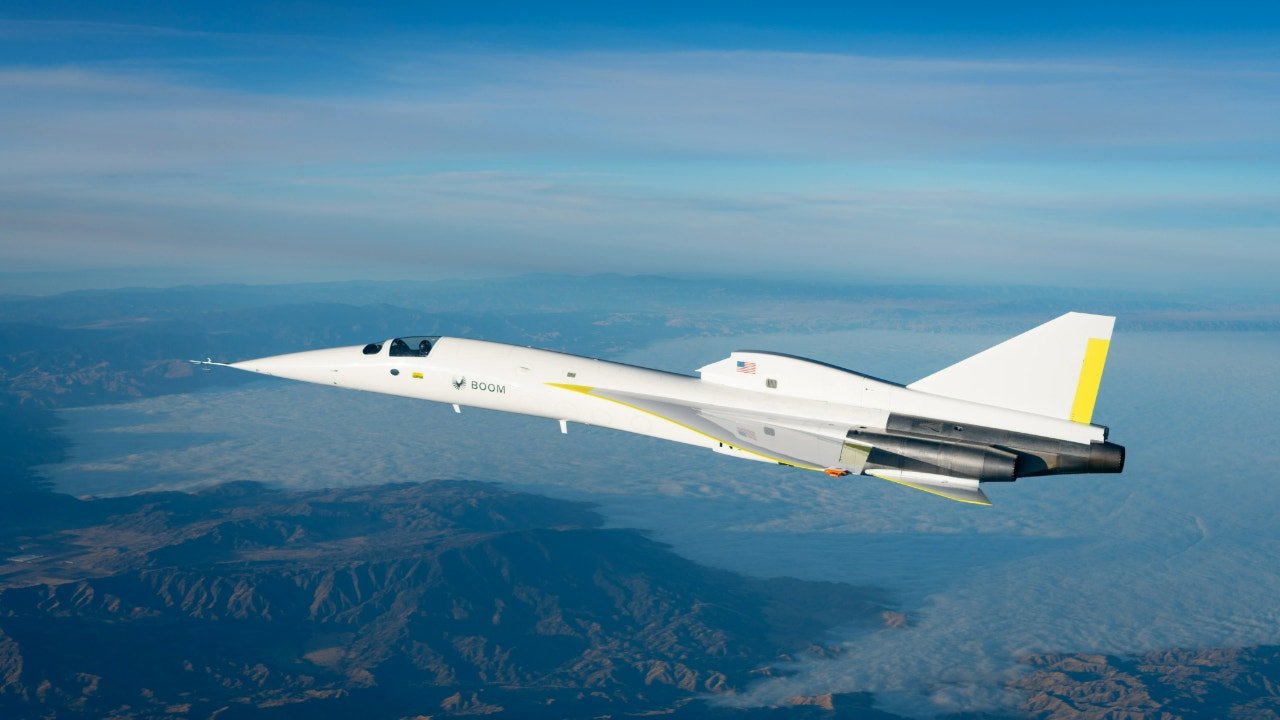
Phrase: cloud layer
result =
(1114, 170)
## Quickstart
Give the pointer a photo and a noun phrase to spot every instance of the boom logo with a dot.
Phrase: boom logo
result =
(461, 382)
(489, 387)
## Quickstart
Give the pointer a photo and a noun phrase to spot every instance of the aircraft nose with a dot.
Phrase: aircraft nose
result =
(322, 366)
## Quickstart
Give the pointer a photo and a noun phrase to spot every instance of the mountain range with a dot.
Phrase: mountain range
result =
(399, 600)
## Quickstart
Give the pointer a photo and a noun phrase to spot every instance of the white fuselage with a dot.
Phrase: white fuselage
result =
(496, 376)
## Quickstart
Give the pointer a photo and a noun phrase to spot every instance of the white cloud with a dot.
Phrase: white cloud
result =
(655, 161)
(630, 106)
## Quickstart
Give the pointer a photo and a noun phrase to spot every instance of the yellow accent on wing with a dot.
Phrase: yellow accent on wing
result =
(586, 390)
(418, 375)
(1095, 358)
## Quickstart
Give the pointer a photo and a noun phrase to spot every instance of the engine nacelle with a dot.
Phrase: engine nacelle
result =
(941, 458)
(1035, 455)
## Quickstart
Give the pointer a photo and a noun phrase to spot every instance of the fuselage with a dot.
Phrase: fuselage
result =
(497, 376)
(1021, 408)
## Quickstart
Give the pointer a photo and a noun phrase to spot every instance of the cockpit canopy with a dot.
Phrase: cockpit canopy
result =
(411, 346)
(417, 346)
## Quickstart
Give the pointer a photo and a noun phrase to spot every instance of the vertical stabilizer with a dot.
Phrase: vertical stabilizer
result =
(1054, 369)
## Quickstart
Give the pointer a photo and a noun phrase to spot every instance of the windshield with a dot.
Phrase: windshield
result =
(415, 346)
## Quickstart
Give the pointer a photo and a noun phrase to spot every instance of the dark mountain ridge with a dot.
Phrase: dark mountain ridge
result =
(250, 599)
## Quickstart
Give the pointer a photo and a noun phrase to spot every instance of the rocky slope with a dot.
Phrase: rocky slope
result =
(402, 600)
(1240, 683)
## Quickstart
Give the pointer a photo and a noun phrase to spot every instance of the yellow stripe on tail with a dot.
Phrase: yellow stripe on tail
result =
(1095, 358)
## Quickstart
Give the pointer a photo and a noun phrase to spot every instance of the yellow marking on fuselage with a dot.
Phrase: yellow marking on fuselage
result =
(1095, 358)
(587, 390)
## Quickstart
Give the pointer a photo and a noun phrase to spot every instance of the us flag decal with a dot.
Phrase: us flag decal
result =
(746, 367)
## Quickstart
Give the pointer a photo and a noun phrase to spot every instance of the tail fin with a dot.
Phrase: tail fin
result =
(1054, 369)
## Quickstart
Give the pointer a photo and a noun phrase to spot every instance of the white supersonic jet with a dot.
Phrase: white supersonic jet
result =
(1022, 408)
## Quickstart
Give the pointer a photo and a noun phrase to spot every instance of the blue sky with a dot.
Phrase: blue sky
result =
(157, 143)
